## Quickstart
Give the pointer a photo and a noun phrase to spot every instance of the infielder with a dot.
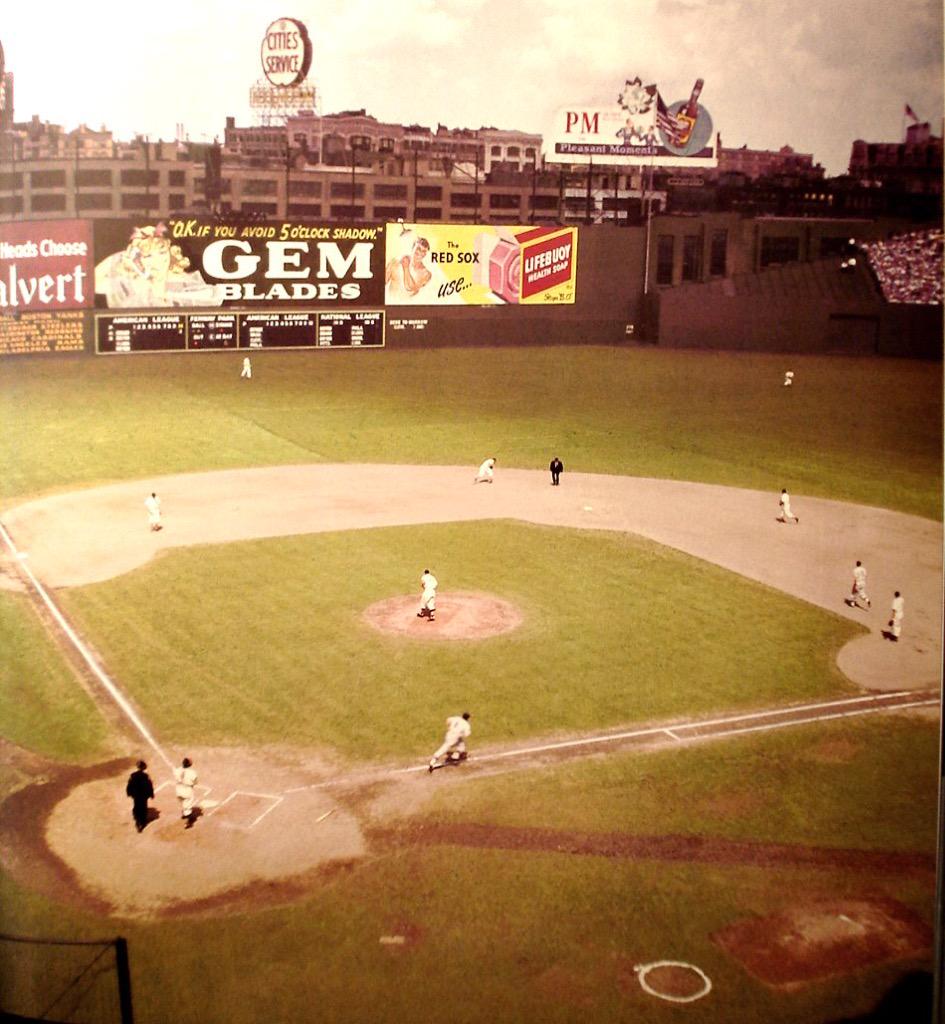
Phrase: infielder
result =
(485, 474)
(895, 623)
(785, 506)
(153, 504)
(859, 587)
(185, 779)
(428, 585)
(454, 743)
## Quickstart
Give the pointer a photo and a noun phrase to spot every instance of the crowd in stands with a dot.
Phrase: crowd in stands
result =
(909, 267)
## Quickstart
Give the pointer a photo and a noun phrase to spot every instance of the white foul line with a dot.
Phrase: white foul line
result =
(84, 652)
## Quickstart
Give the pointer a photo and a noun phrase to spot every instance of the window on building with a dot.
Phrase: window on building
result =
(11, 204)
(10, 181)
(780, 249)
(342, 190)
(529, 153)
(260, 187)
(177, 179)
(664, 259)
(390, 191)
(258, 207)
(138, 201)
(48, 203)
(465, 200)
(386, 145)
(306, 188)
(340, 212)
(544, 202)
(514, 152)
(429, 192)
(135, 176)
(390, 212)
(177, 201)
(718, 253)
(502, 201)
(305, 209)
(692, 258)
(496, 151)
(90, 177)
(48, 179)
(429, 213)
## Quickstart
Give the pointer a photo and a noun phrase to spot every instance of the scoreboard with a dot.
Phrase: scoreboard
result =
(170, 332)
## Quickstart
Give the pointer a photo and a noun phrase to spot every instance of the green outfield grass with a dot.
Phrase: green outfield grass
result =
(549, 935)
(263, 642)
(859, 429)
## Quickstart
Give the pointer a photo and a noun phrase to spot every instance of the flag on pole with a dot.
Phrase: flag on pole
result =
(667, 122)
(911, 113)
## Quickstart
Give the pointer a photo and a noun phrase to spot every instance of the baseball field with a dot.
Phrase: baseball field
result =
(687, 751)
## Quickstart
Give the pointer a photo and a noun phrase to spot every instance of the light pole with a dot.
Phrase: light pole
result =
(355, 146)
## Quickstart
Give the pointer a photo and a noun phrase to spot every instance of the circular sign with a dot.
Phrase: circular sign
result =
(697, 135)
(286, 52)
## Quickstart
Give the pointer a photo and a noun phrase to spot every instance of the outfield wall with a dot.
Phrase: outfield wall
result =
(715, 281)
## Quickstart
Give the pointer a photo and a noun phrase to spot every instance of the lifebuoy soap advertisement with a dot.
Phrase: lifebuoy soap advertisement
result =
(479, 265)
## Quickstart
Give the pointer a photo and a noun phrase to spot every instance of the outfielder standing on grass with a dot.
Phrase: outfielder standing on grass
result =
(454, 743)
(428, 585)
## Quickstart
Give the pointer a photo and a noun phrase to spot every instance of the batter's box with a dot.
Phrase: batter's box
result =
(243, 810)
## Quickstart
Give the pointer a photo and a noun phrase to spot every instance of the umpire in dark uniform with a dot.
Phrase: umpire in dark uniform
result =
(557, 468)
(140, 790)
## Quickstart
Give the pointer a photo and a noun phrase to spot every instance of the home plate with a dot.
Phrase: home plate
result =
(244, 810)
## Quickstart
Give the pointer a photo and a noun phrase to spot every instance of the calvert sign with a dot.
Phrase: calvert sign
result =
(45, 265)
(641, 129)
(286, 52)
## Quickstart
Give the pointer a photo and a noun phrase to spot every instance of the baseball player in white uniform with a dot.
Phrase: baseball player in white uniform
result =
(454, 743)
(485, 474)
(428, 585)
(785, 508)
(185, 778)
(247, 370)
(895, 623)
(153, 504)
(859, 587)
(789, 378)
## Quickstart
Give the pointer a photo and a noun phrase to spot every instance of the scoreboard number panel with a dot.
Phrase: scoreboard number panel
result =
(205, 332)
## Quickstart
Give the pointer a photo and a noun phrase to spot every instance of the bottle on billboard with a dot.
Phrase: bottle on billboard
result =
(686, 118)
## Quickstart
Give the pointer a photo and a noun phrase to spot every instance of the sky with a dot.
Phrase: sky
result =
(812, 74)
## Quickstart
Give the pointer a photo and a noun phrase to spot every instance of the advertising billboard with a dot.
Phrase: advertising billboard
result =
(211, 262)
(479, 265)
(45, 265)
(640, 129)
(203, 283)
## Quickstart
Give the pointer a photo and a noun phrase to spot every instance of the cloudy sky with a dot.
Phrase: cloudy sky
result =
(814, 74)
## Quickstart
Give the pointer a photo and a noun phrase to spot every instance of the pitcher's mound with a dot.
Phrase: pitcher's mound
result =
(460, 615)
